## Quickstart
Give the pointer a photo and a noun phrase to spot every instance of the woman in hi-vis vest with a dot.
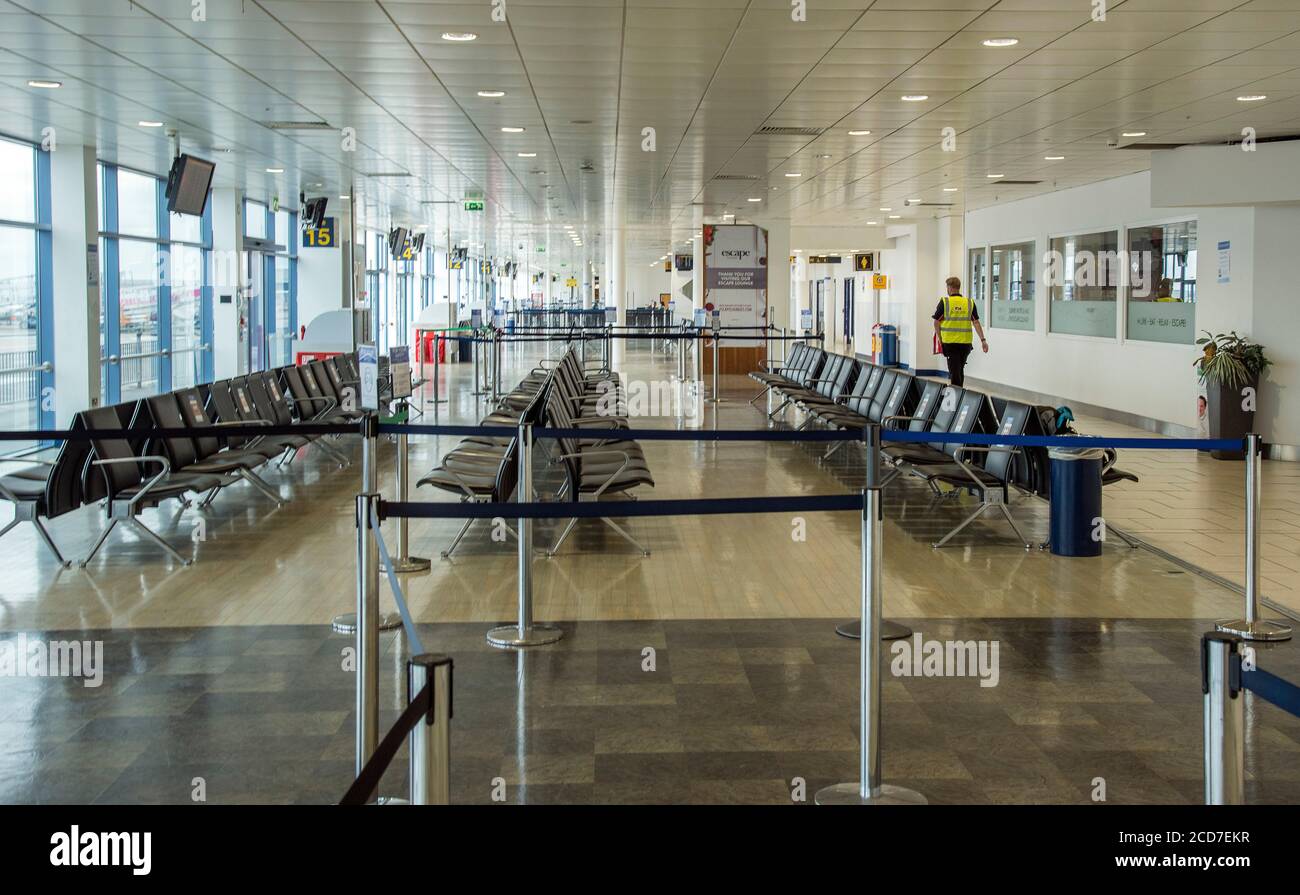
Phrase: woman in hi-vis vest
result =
(954, 318)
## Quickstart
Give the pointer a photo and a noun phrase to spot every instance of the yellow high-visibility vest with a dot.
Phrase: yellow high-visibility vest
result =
(955, 327)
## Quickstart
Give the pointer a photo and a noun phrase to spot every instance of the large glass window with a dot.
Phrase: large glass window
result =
(155, 294)
(1011, 286)
(283, 325)
(26, 337)
(976, 259)
(1162, 283)
(1083, 273)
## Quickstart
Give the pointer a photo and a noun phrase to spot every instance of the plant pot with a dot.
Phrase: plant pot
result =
(1227, 419)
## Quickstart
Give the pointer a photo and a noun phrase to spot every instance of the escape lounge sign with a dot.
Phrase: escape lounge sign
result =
(735, 276)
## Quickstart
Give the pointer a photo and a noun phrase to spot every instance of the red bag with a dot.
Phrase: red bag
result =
(938, 344)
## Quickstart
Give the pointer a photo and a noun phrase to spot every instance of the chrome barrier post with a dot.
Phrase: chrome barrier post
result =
(715, 398)
(404, 561)
(347, 622)
(870, 790)
(1252, 627)
(431, 737)
(1225, 720)
(526, 632)
(496, 366)
(367, 633)
(438, 344)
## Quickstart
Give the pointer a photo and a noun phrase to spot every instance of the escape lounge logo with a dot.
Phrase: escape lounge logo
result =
(78, 849)
(740, 254)
(918, 657)
(23, 657)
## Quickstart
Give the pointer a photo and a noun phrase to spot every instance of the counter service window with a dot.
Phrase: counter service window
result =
(1162, 283)
(1012, 269)
(1083, 274)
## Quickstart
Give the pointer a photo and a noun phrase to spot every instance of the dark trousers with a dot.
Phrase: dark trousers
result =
(956, 356)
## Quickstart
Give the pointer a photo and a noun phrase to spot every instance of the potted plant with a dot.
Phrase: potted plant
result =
(1230, 367)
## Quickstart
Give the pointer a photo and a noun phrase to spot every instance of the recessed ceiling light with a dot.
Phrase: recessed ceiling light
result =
(275, 170)
(755, 200)
(528, 155)
(151, 124)
(1053, 158)
(794, 174)
(858, 133)
(1251, 98)
(345, 196)
(45, 85)
(1134, 134)
(950, 189)
(1001, 41)
(491, 94)
(915, 97)
(873, 223)
(894, 217)
(886, 209)
(914, 201)
(459, 36)
(823, 156)
(512, 130)
(994, 176)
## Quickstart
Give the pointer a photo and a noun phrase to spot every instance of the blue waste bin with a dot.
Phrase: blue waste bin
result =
(1076, 527)
(889, 346)
(510, 326)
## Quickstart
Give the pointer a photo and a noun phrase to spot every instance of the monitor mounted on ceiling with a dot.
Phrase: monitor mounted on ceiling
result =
(188, 185)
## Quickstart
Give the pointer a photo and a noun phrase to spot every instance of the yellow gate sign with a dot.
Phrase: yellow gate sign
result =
(879, 281)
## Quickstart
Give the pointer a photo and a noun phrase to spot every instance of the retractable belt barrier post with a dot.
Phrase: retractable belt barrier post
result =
(347, 622)
(714, 397)
(1225, 720)
(404, 561)
(869, 790)
(525, 632)
(431, 736)
(1252, 627)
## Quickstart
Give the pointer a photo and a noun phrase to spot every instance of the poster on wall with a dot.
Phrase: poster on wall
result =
(735, 277)
(1225, 262)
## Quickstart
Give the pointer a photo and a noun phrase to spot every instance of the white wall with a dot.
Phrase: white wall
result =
(1148, 379)
(1274, 322)
(322, 273)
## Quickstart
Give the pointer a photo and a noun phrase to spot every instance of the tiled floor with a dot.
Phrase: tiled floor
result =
(734, 711)
(226, 671)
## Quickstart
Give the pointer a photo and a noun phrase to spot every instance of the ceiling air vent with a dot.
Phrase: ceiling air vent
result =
(1014, 182)
(298, 125)
(746, 177)
(381, 174)
(775, 131)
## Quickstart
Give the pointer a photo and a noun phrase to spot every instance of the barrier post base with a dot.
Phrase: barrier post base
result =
(1259, 629)
(514, 637)
(888, 630)
(403, 564)
(851, 794)
(347, 622)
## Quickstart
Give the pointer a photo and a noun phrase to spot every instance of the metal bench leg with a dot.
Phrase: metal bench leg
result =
(112, 523)
(835, 447)
(783, 406)
(49, 542)
(257, 482)
(760, 394)
(1016, 528)
(627, 537)
(969, 519)
(211, 496)
(446, 554)
(12, 523)
(153, 536)
(563, 536)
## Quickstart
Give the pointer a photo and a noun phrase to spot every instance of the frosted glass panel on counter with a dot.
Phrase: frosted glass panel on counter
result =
(1084, 318)
(1013, 315)
(1162, 321)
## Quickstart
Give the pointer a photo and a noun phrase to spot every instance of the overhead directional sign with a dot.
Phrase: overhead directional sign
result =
(864, 262)
(473, 204)
(824, 259)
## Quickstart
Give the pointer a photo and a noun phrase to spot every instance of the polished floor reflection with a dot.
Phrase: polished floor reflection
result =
(733, 711)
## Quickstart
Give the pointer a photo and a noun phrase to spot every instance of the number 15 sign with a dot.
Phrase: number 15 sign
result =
(321, 237)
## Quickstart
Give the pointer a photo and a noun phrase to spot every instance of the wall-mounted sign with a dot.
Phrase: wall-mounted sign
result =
(571, 282)
(864, 262)
(455, 262)
(473, 204)
(1225, 262)
(485, 267)
(879, 281)
(321, 237)
(684, 262)
(824, 259)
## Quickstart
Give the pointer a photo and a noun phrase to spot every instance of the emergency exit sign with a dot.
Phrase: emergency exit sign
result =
(473, 204)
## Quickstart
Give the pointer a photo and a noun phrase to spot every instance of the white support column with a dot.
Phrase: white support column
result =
(74, 188)
(227, 281)
(779, 299)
